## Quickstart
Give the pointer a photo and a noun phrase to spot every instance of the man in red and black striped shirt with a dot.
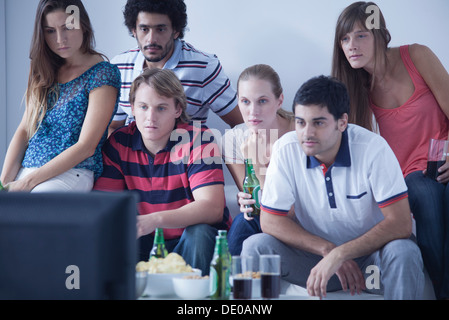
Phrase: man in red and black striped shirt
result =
(173, 165)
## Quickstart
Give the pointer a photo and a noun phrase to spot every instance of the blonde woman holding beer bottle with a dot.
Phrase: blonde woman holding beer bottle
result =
(260, 98)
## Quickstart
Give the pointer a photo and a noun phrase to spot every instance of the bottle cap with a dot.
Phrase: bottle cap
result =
(222, 233)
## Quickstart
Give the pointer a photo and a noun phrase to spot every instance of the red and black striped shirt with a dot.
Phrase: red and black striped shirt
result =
(191, 160)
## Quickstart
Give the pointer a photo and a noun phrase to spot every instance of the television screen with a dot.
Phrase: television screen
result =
(67, 246)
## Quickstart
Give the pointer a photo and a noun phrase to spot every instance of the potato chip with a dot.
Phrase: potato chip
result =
(142, 266)
(173, 263)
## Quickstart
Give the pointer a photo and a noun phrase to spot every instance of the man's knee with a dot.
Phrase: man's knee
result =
(200, 233)
(403, 253)
(260, 243)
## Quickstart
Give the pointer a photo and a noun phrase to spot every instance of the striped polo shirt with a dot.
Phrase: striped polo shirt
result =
(191, 160)
(205, 83)
(339, 203)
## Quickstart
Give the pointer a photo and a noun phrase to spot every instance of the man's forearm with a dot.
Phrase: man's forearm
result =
(285, 229)
(396, 225)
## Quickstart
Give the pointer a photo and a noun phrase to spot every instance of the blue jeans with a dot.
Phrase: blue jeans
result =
(240, 230)
(196, 246)
(429, 203)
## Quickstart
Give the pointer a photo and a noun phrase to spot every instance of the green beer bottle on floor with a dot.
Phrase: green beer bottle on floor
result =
(158, 250)
(251, 185)
(220, 268)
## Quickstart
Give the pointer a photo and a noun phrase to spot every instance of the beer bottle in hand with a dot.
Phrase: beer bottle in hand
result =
(251, 185)
(159, 250)
(220, 269)
(1, 187)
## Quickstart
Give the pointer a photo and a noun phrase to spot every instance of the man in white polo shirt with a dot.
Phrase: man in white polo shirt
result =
(350, 200)
(159, 27)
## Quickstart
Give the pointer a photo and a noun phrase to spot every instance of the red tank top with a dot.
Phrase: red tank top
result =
(409, 128)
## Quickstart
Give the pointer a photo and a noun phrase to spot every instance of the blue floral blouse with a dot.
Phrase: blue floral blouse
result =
(62, 124)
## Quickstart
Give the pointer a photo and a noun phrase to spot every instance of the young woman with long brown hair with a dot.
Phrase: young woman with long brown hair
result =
(71, 97)
(403, 93)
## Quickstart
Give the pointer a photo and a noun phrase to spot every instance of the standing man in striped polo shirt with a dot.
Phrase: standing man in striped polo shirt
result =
(351, 215)
(159, 26)
(173, 165)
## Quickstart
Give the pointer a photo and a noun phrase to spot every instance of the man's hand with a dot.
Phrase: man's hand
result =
(144, 225)
(348, 273)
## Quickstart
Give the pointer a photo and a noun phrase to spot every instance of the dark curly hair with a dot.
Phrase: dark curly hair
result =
(176, 10)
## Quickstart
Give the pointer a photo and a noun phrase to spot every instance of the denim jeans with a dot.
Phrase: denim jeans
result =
(240, 230)
(196, 246)
(429, 203)
(399, 261)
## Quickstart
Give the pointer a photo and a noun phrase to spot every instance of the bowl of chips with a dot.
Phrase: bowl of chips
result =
(161, 272)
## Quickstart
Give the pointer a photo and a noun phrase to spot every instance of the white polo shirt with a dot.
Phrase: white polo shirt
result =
(339, 203)
(201, 74)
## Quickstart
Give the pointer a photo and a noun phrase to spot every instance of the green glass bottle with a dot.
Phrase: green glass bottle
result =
(220, 268)
(251, 185)
(2, 188)
(159, 250)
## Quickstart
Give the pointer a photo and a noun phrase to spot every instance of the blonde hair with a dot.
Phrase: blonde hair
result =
(166, 84)
(267, 73)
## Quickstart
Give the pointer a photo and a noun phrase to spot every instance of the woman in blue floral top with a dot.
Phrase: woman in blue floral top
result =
(71, 97)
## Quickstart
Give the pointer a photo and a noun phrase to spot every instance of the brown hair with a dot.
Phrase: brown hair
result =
(166, 84)
(45, 63)
(358, 81)
(267, 73)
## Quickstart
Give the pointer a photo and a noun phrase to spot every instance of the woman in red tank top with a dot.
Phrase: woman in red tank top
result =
(402, 93)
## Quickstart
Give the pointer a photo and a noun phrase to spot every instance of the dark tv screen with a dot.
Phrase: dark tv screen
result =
(67, 246)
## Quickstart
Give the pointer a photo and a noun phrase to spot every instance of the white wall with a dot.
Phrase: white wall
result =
(3, 128)
(294, 36)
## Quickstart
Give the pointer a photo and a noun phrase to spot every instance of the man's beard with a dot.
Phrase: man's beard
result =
(157, 58)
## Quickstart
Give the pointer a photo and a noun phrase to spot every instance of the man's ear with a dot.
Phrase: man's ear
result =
(178, 112)
(343, 122)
